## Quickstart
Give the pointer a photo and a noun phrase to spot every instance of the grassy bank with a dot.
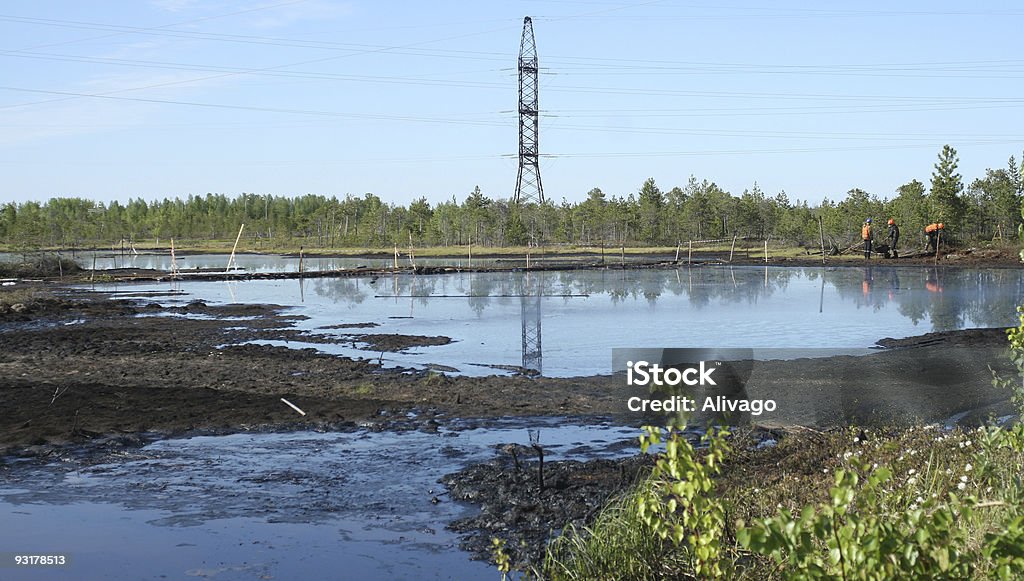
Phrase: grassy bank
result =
(920, 502)
(912, 503)
(745, 249)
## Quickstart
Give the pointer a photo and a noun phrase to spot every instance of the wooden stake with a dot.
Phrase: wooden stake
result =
(174, 261)
(301, 253)
(678, 244)
(396, 256)
(471, 252)
(821, 232)
(689, 253)
(733, 249)
(766, 251)
(412, 261)
(938, 241)
(231, 259)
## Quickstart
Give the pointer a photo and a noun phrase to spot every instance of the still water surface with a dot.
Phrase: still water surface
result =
(577, 317)
(303, 505)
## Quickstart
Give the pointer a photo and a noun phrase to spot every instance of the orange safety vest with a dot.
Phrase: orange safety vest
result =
(931, 228)
(865, 232)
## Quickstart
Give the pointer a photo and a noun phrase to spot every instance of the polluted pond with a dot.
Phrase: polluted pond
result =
(479, 324)
(364, 503)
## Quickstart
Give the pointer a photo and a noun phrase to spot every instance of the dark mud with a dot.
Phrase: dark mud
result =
(515, 508)
(82, 366)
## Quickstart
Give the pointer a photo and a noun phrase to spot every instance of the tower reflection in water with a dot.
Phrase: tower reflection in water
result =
(531, 290)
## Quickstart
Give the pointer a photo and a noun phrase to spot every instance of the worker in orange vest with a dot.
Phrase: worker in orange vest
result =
(932, 232)
(865, 233)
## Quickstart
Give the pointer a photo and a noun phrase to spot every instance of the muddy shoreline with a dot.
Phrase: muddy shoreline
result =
(86, 373)
(81, 365)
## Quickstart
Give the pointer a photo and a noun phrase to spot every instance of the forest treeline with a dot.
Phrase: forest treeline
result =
(987, 207)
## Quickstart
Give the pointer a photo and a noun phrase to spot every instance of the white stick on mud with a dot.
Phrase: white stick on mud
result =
(293, 406)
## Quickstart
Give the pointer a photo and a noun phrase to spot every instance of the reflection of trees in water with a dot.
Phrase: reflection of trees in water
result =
(342, 290)
(701, 285)
(945, 297)
(993, 307)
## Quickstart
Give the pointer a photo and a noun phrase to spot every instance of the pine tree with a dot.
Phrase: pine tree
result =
(946, 202)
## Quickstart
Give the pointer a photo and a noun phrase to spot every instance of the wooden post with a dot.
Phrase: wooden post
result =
(938, 241)
(92, 274)
(412, 261)
(623, 256)
(689, 253)
(766, 251)
(231, 259)
(396, 256)
(301, 253)
(821, 232)
(527, 258)
(470, 252)
(733, 249)
(678, 244)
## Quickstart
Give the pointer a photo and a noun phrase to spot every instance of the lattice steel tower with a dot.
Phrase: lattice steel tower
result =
(528, 186)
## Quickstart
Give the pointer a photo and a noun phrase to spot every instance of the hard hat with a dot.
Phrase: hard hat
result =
(891, 221)
(941, 226)
(868, 221)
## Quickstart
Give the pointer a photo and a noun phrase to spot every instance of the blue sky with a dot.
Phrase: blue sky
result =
(161, 98)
